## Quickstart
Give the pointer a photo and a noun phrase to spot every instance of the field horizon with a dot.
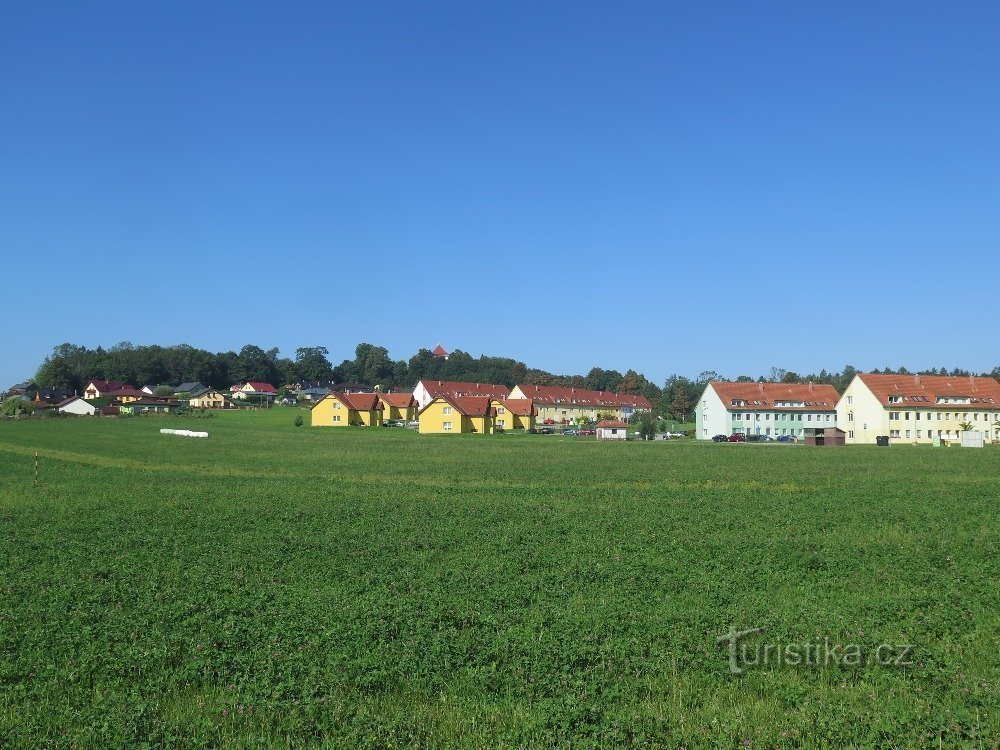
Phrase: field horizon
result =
(274, 586)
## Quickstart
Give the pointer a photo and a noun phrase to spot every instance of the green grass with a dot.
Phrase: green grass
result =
(283, 587)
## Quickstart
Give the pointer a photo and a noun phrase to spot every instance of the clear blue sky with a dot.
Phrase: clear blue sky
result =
(402, 173)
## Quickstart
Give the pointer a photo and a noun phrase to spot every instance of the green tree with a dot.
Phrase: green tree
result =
(312, 364)
(14, 406)
(681, 406)
(647, 425)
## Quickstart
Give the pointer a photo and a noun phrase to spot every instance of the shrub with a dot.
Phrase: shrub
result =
(298, 421)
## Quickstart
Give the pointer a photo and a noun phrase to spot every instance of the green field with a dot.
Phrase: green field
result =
(283, 587)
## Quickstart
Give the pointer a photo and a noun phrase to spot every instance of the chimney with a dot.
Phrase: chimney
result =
(761, 387)
(810, 386)
(918, 379)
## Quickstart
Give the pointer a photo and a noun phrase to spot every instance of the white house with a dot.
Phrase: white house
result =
(76, 405)
(100, 388)
(767, 409)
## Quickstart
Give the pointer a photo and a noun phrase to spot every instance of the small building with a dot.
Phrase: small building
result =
(101, 388)
(126, 395)
(398, 406)
(612, 430)
(76, 405)
(825, 436)
(255, 391)
(151, 389)
(312, 394)
(347, 410)
(190, 388)
(440, 351)
(457, 414)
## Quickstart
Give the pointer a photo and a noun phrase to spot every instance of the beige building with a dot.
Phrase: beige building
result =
(566, 405)
(919, 408)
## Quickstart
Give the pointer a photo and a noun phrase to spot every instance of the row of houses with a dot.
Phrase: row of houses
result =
(911, 408)
(440, 406)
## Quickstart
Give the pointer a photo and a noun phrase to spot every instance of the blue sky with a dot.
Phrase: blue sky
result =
(669, 187)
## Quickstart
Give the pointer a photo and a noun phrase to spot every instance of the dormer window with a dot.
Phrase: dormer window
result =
(895, 399)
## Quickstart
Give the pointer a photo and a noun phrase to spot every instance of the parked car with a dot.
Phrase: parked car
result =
(676, 434)
(546, 431)
(570, 432)
(737, 437)
(413, 423)
(759, 439)
(588, 431)
(786, 439)
(394, 423)
(549, 421)
(720, 439)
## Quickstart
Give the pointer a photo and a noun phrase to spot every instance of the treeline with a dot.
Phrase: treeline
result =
(73, 366)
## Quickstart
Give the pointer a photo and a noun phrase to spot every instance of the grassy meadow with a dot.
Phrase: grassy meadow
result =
(275, 587)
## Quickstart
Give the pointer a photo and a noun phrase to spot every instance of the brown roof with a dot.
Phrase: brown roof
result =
(523, 407)
(925, 390)
(358, 401)
(457, 388)
(764, 395)
(401, 400)
(553, 394)
(108, 385)
(440, 351)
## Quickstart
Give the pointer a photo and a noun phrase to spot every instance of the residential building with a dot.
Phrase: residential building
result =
(149, 406)
(568, 405)
(76, 405)
(189, 387)
(254, 391)
(347, 410)
(49, 396)
(427, 390)
(209, 398)
(513, 414)
(919, 408)
(398, 406)
(100, 388)
(773, 409)
(457, 414)
(126, 395)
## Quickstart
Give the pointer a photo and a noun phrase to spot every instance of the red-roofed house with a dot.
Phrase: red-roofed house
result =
(100, 388)
(568, 405)
(457, 414)
(257, 391)
(513, 414)
(347, 410)
(427, 390)
(769, 409)
(919, 408)
(398, 406)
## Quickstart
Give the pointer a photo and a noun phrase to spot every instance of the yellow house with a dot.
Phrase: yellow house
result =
(210, 399)
(454, 414)
(347, 410)
(919, 408)
(513, 414)
(398, 406)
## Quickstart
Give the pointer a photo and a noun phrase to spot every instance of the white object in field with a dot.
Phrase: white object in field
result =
(972, 439)
(184, 433)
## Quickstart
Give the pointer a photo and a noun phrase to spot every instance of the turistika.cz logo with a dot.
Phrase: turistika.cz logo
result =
(746, 652)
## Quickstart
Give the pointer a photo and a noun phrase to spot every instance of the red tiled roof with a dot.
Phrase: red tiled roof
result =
(925, 390)
(523, 407)
(752, 396)
(612, 424)
(358, 401)
(552, 394)
(400, 400)
(457, 388)
(262, 387)
(470, 406)
(108, 385)
(439, 351)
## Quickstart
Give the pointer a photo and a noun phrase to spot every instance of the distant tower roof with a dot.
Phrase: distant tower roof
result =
(440, 351)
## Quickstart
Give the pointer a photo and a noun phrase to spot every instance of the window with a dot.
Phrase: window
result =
(894, 433)
(336, 404)
(501, 424)
(737, 416)
(850, 434)
(850, 400)
(918, 434)
(895, 399)
(500, 410)
(447, 426)
(336, 417)
(907, 433)
(850, 416)
(894, 415)
(447, 410)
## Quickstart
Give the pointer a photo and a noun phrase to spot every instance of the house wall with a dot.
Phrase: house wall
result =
(710, 416)
(210, 400)
(80, 408)
(860, 415)
(510, 420)
(323, 413)
(776, 422)
(434, 416)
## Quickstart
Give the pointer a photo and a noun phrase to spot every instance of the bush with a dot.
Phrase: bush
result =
(298, 421)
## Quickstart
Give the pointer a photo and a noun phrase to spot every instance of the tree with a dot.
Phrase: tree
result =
(255, 364)
(965, 426)
(163, 390)
(312, 364)
(681, 406)
(14, 406)
(778, 374)
(647, 425)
